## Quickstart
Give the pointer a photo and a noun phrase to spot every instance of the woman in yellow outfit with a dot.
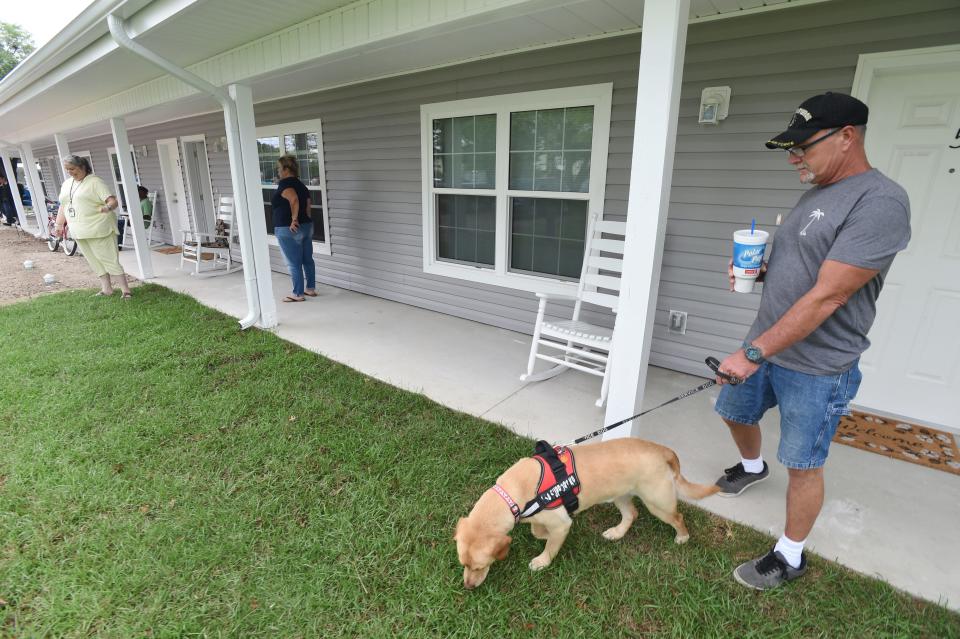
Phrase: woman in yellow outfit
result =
(88, 207)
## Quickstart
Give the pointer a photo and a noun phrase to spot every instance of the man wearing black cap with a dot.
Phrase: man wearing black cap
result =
(826, 269)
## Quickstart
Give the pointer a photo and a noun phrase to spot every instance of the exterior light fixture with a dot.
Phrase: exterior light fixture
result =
(714, 104)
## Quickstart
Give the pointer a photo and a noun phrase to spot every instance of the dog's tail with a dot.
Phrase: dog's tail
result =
(684, 487)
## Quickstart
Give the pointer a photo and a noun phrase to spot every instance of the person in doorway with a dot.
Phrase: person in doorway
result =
(821, 284)
(90, 209)
(146, 211)
(8, 209)
(294, 232)
(146, 207)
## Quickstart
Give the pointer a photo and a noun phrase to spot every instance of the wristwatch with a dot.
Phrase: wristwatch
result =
(753, 354)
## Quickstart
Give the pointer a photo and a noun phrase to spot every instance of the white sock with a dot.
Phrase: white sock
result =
(753, 465)
(790, 549)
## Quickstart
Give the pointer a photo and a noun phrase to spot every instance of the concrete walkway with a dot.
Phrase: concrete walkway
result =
(894, 520)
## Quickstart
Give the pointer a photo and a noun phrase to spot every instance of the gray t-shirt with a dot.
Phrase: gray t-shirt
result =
(863, 220)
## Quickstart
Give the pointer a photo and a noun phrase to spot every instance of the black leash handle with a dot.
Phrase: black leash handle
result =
(711, 362)
(714, 365)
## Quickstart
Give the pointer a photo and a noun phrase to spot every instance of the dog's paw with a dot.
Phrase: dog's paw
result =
(539, 563)
(681, 539)
(613, 534)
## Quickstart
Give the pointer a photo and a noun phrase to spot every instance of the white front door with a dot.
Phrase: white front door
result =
(174, 194)
(912, 369)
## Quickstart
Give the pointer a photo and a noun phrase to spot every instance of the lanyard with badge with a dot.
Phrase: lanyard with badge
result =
(72, 212)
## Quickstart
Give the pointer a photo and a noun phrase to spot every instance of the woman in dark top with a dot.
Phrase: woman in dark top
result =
(294, 232)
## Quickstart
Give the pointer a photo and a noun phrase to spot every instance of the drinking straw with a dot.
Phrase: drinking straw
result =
(753, 225)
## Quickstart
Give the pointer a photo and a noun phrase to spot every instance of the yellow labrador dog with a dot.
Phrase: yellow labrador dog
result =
(614, 471)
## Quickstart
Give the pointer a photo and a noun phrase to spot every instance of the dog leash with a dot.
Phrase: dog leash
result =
(714, 365)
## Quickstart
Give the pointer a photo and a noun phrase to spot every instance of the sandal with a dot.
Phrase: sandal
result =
(310, 293)
(127, 296)
(102, 294)
(291, 298)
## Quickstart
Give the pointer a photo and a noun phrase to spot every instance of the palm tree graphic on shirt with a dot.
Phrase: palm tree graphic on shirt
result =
(816, 215)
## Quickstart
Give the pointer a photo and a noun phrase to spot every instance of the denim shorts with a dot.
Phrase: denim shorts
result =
(810, 408)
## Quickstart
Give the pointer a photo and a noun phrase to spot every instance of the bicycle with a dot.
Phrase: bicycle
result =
(66, 242)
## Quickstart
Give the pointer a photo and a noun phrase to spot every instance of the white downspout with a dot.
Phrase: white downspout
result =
(119, 32)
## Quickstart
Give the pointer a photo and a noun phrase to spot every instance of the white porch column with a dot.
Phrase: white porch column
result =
(14, 191)
(63, 149)
(36, 187)
(129, 178)
(245, 171)
(654, 138)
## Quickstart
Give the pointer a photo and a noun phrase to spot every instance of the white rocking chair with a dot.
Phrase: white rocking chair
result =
(575, 343)
(210, 252)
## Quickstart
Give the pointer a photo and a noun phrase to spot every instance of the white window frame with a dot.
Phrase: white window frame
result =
(599, 96)
(112, 153)
(293, 128)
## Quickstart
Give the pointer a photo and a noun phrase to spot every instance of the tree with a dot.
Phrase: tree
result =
(15, 45)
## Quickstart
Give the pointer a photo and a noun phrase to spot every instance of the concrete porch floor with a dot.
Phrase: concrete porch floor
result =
(881, 517)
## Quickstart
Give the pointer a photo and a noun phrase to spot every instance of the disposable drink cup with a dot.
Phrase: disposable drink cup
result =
(748, 249)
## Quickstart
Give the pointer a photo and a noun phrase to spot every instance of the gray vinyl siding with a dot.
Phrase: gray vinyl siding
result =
(723, 177)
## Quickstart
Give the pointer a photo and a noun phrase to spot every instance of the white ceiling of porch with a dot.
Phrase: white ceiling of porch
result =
(210, 27)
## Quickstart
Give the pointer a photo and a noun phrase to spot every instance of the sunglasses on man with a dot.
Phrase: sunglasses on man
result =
(801, 149)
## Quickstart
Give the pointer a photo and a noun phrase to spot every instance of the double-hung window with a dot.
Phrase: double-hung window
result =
(304, 141)
(509, 183)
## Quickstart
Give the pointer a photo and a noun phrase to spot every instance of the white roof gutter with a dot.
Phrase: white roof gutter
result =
(242, 204)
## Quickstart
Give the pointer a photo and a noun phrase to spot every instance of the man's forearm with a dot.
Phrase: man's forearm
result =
(809, 312)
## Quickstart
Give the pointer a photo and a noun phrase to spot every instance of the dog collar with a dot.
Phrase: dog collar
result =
(507, 498)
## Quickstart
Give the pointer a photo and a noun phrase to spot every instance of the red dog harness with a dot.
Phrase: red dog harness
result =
(558, 483)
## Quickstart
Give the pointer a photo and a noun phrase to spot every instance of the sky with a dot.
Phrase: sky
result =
(42, 18)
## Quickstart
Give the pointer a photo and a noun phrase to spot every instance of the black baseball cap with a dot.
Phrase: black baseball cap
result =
(825, 111)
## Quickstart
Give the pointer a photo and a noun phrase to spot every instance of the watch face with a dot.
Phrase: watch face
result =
(753, 354)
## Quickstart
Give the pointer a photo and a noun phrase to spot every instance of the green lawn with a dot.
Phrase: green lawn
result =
(164, 474)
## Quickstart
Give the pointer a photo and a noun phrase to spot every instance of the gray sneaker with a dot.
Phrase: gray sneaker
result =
(768, 571)
(735, 479)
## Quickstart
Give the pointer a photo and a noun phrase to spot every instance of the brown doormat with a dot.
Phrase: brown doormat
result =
(916, 444)
(169, 250)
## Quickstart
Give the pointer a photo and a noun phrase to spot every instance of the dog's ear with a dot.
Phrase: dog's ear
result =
(456, 531)
(502, 548)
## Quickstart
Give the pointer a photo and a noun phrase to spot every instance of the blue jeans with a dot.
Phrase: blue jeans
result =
(810, 408)
(297, 249)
